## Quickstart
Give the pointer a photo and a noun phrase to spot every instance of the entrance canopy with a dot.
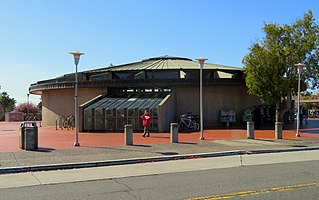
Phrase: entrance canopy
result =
(112, 112)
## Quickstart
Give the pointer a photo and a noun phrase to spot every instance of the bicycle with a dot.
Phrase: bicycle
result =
(197, 119)
(188, 121)
(69, 122)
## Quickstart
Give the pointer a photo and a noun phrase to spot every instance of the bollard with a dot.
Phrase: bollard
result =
(250, 130)
(128, 134)
(174, 133)
(278, 130)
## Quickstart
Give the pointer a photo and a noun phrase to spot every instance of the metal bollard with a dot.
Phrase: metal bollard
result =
(174, 133)
(250, 130)
(128, 134)
(278, 130)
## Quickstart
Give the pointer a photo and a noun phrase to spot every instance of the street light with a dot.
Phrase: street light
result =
(299, 68)
(28, 104)
(76, 56)
(201, 66)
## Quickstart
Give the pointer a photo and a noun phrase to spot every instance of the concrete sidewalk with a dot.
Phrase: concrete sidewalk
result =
(56, 150)
(46, 159)
(151, 168)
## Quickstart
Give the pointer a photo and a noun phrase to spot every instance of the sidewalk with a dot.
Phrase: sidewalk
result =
(56, 146)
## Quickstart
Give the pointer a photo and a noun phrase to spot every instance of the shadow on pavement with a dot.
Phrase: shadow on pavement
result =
(45, 150)
(141, 145)
(168, 153)
(265, 140)
(193, 143)
(299, 146)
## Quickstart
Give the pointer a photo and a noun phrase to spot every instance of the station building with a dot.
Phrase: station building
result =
(111, 97)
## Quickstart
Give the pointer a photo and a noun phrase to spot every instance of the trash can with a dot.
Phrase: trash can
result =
(28, 136)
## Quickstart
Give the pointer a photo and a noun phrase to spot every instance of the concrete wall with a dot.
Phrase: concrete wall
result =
(166, 113)
(182, 99)
(14, 116)
(215, 98)
(61, 102)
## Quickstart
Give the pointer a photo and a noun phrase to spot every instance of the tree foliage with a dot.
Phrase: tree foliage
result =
(310, 96)
(27, 108)
(7, 104)
(269, 67)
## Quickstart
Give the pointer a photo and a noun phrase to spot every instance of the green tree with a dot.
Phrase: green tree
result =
(7, 104)
(310, 96)
(269, 67)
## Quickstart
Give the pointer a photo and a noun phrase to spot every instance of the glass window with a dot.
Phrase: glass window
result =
(112, 113)
(99, 119)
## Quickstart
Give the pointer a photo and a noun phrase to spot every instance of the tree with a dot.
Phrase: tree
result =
(27, 108)
(7, 104)
(310, 96)
(269, 67)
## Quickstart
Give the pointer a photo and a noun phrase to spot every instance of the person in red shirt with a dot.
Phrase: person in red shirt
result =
(146, 119)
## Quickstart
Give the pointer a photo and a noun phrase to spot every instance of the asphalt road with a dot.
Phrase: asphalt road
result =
(295, 180)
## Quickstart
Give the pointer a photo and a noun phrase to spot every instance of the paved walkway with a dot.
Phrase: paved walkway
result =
(49, 138)
(56, 146)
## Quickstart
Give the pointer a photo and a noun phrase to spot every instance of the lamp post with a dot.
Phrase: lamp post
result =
(40, 117)
(76, 56)
(201, 66)
(28, 105)
(299, 68)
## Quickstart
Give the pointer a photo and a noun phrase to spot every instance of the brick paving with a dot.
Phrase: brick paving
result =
(50, 138)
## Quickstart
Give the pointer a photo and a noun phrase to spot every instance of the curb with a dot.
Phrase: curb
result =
(51, 167)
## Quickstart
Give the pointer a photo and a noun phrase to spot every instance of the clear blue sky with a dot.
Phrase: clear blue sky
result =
(36, 35)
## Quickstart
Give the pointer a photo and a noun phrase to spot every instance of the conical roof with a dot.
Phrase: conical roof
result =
(163, 63)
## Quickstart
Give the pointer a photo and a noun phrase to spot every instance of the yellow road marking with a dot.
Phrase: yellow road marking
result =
(255, 192)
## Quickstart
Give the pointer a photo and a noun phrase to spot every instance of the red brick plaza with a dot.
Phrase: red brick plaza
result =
(51, 138)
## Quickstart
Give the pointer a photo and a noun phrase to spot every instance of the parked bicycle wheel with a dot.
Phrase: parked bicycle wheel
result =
(196, 126)
(181, 127)
(204, 122)
(65, 123)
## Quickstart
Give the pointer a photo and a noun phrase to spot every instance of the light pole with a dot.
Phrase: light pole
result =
(76, 56)
(28, 105)
(201, 66)
(299, 68)
(40, 117)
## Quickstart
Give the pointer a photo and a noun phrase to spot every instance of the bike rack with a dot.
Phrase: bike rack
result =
(59, 121)
(27, 118)
(64, 122)
(69, 122)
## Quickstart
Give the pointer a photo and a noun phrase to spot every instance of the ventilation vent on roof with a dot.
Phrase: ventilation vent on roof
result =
(166, 57)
